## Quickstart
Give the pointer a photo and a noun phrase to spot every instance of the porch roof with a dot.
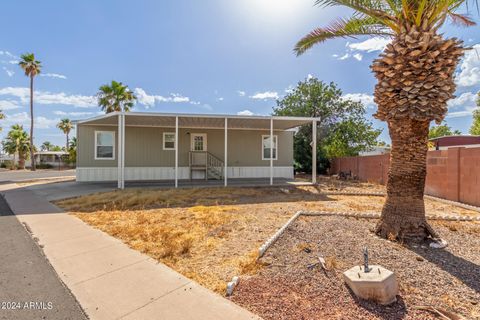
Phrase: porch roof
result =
(211, 121)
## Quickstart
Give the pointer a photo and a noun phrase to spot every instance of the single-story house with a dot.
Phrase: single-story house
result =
(138, 146)
(53, 158)
(466, 141)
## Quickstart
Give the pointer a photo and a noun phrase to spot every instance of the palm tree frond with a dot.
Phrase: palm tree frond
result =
(461, 19)
(342, 28)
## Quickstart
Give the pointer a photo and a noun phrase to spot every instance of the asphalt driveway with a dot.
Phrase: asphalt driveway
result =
(29, 286)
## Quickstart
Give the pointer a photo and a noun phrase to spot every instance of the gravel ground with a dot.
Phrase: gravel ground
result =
(286, 289)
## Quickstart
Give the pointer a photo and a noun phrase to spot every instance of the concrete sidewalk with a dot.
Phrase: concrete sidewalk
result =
(110, 280)
(27, 277)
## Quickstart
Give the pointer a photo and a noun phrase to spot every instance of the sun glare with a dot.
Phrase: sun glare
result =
(273, 10)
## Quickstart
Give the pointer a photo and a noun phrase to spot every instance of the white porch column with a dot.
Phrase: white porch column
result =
(225, 157)
(120, 152)
(271, 151)
(314, 151)
(123, 151)
(176, 152)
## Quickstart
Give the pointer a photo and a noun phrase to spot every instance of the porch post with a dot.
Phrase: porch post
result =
(271, 151)
(314, 151)
(225, 170)
(123, 150)
(120, 152)
(176, 152)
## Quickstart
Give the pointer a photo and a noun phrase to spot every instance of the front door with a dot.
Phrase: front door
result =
(199, 142)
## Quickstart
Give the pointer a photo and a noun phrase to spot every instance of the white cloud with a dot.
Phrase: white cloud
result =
(45, 97)
(310, 76)
(358, 56)
(469, 74)
(245, 112)
(462, 105)
(265, 95)
(73, 114)
(53, 75)
(8, 105)
(9, 72)
(24, 119)
(370, 45)
(220, 99)
(149, 100)
(241, 93)
(354, 50)
(364, 98)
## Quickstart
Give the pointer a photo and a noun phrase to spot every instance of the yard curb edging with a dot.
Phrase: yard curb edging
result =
(382, 194)
(272, 239)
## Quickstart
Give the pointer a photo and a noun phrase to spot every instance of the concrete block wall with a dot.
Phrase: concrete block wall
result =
(452, 174)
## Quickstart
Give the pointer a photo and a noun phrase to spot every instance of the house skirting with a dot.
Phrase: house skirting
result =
(168, 173)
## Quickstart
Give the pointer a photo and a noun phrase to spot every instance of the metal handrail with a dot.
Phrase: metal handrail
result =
(211, 161)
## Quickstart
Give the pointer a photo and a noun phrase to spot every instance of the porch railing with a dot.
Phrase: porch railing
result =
(206, 162)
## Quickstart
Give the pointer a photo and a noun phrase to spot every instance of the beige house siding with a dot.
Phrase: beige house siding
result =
(144, 147)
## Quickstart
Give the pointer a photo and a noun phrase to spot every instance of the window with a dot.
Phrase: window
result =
(168, 141)
(104, 145)
(266, 147)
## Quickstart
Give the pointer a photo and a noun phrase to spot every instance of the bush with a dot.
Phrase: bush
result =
(44, 166)
(6, 164)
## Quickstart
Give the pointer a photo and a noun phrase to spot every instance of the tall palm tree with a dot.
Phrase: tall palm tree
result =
(31, 67)
(115, 97)
(66, 126)
(2, 116)
(415, 81)
(46, 146)
(17, 142)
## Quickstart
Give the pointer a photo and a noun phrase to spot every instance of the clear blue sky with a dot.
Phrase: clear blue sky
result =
(209, 56)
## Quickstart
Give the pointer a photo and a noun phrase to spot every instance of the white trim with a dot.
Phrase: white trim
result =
(225, 156)
(123, 151)
(272, 138)
(176, 152)
(205, 141)
(98, 174)
(276, 152)
(174, 141)
(113, 145)
(183, 127)
(197, 115)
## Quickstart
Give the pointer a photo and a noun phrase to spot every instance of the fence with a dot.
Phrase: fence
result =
(452, 174)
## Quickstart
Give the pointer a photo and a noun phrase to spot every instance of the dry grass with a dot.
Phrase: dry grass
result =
(212, 234)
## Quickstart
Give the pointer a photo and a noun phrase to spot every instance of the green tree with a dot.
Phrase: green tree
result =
(17, 143)
(475, 128)
(115, 97)
(32, 68)
(46, 146)
(442, 130)
(415, 81)
(66, 126)
(349, 137)
(72, 151)
(342, 127)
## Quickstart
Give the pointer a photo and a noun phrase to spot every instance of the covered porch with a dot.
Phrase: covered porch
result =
(214, 168)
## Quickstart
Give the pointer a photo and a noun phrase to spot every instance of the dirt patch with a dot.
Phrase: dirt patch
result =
(287, 289)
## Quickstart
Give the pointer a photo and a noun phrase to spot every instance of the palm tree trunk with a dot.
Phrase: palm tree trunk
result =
(403, 214)
(66, 149)
(32, 156)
